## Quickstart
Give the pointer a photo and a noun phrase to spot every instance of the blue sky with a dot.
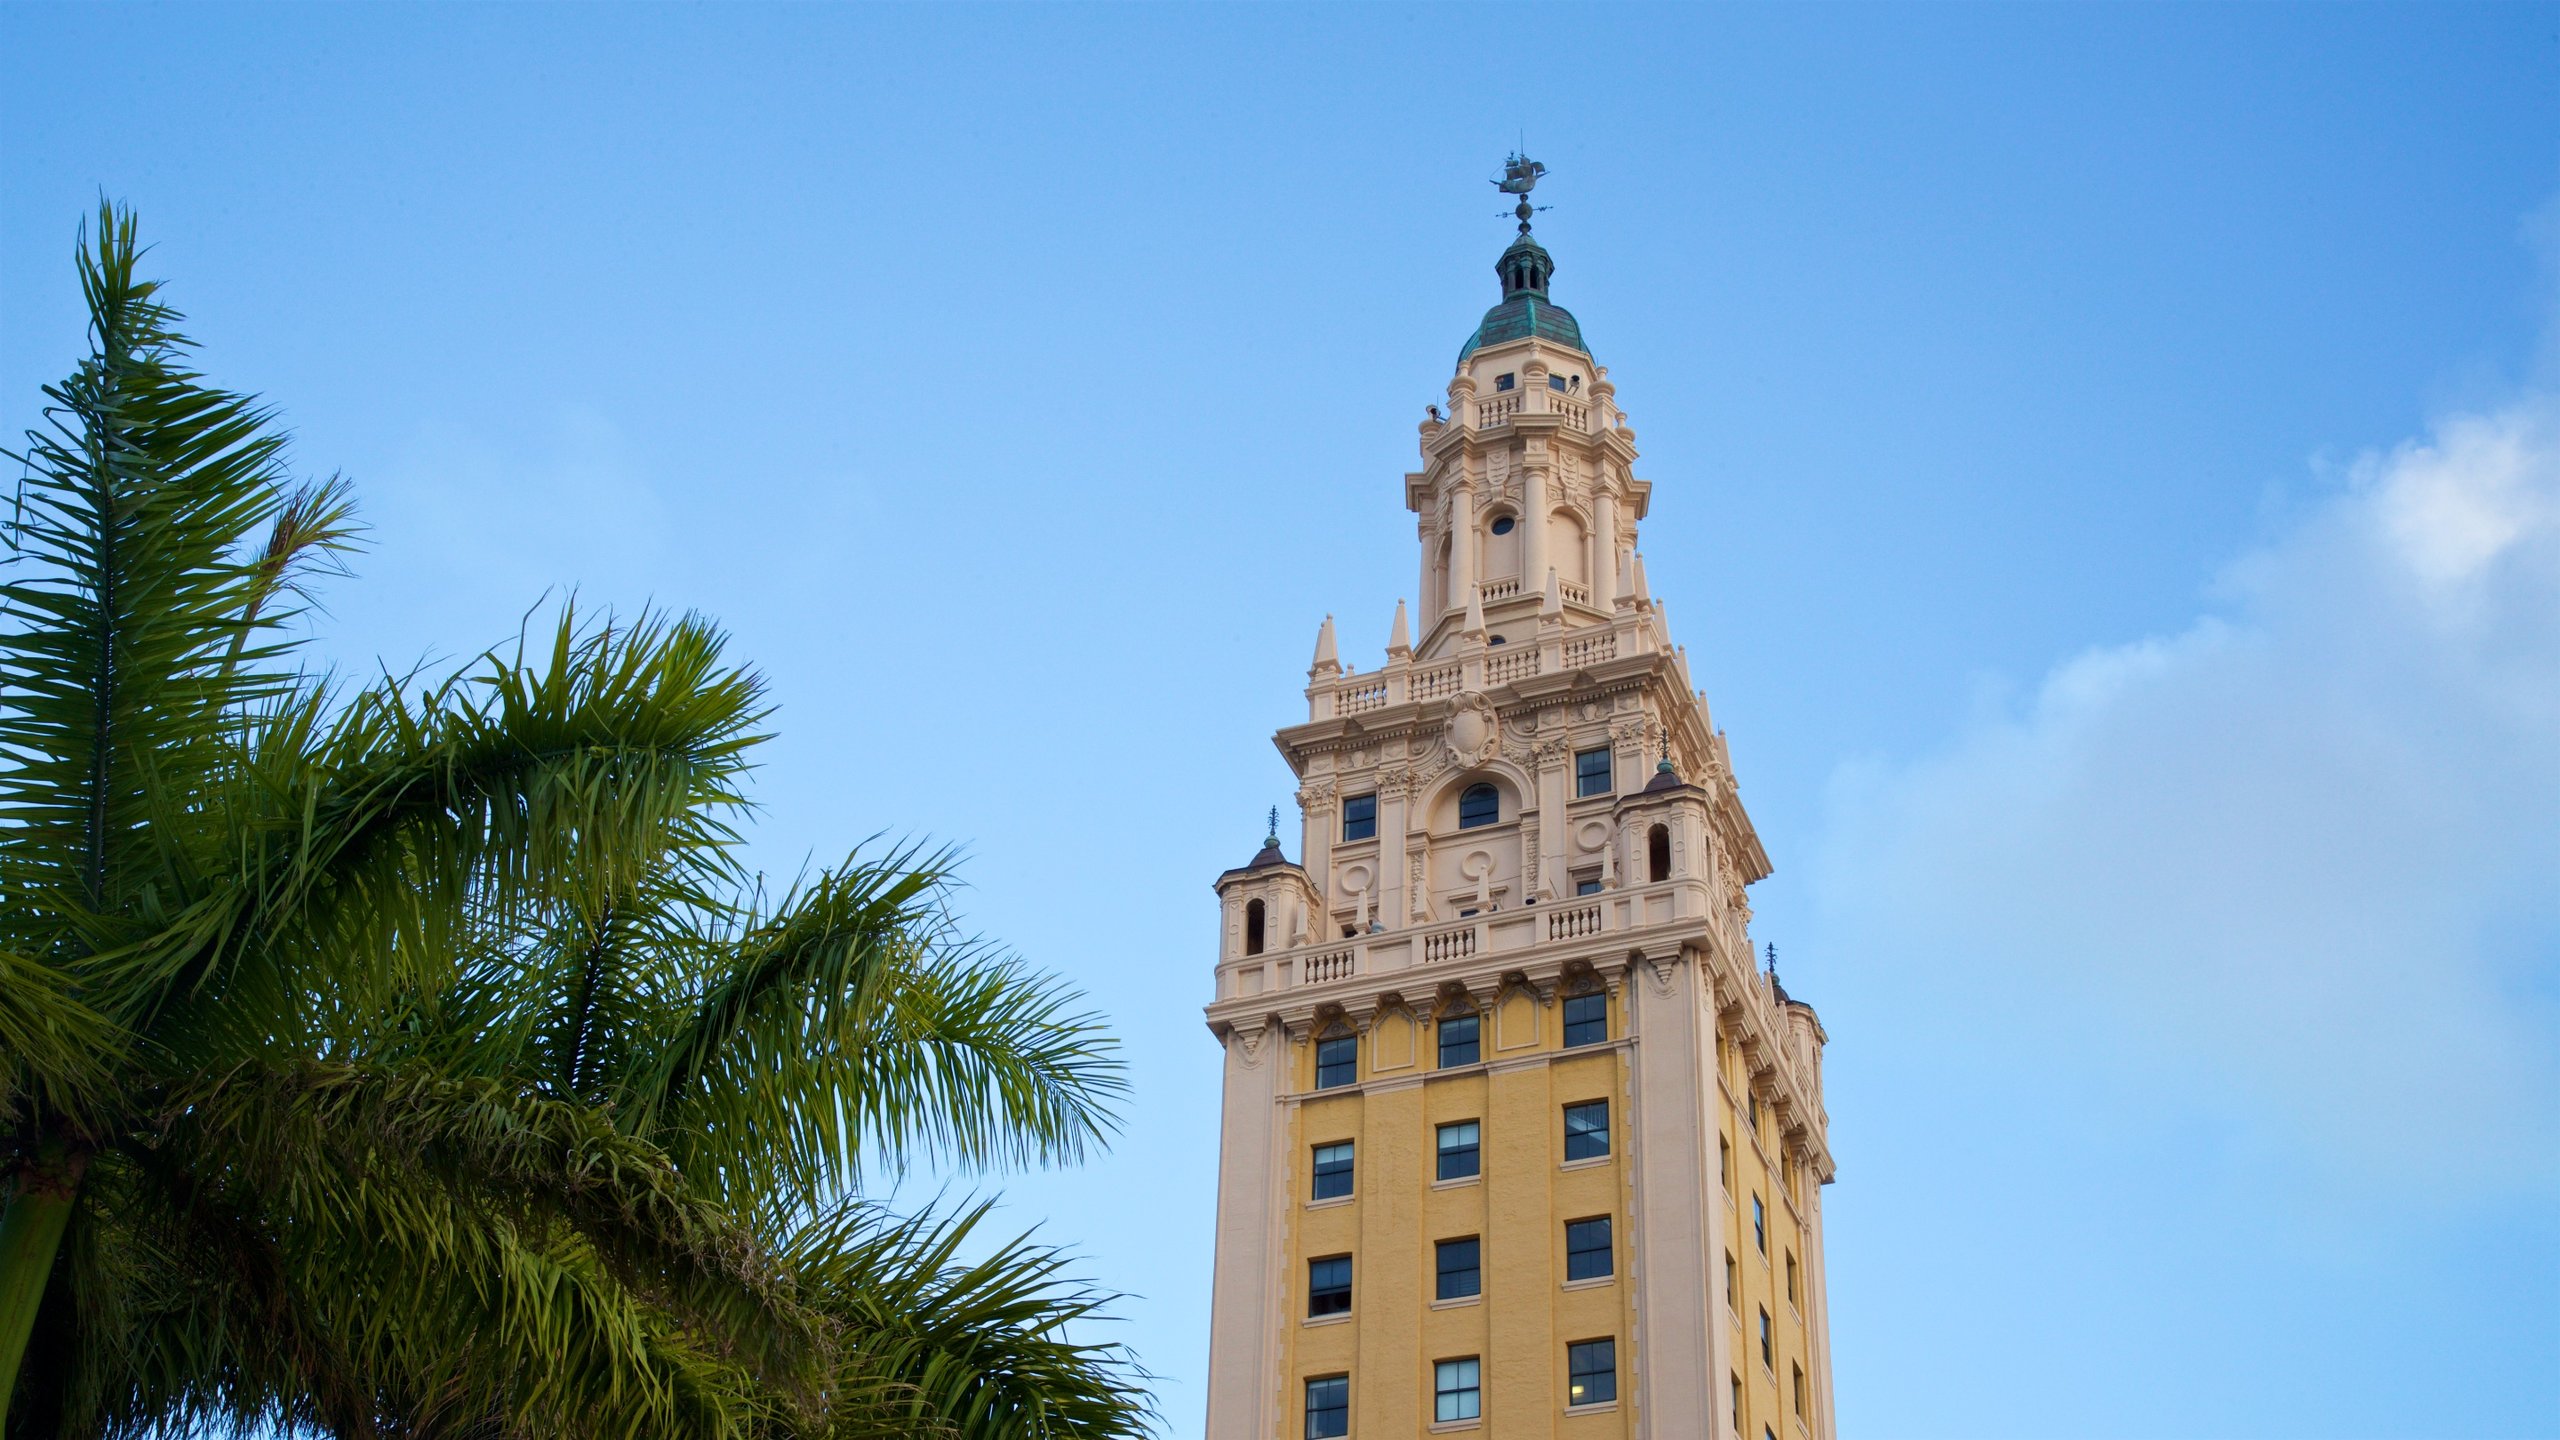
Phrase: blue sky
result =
(2107, 477)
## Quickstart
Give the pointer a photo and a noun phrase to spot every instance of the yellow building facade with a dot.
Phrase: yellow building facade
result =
(1517, 1138)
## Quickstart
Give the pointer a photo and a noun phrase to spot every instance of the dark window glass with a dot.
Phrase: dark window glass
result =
(1337, 1061)
(1328, 1407)
(1791, 1280)
(1329, 1286)
(1737, 1404)
(1333, 1171)
(1502, 524)
(1586, 1019)
(1760, 1224)
(1724, 1163)
(1591, 1371)
(1586, 1130)
(1586, 887)
(1461, 1269)
(1555, 382)
(1458, 1153)
(1504, 382)
(1360, 817)
(1481, 805)
(1586, 1249)
(1457, 1391)
(1458, 1039)
(1768, 1346)
(1591, 772)
(1253, 927)
(1798, 1387)
(1657, 854)
(1732, 1301)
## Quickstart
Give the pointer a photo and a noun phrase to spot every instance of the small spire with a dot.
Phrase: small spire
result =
(1399, 639)
(1773, 959)
(1274, 837)
(1642, 593)
(1473, 627)
(1326, 659)
(1553, 604)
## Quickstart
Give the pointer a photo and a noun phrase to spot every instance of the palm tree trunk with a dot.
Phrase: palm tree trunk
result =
(31, 1230)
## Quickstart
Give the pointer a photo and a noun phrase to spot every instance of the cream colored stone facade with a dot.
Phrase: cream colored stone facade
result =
(1542, 661)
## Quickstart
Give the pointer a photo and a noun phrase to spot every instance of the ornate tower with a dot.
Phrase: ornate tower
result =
(1517, 1136)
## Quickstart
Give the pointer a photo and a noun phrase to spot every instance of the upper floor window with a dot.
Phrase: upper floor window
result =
(1591, 772)
(1460, 1147)
(1586, 1249)
(1505, 382)
(1333, 1171)
(1768, 1341)
(1337, 1061)
(1329, 1286)
(1657, 854)
(1586, 1018)
(1457, 1391)
(1586, 1130)
(1360, 817)
(1589, 885)
(1555, 382)
(1759, 1223)
(1792, 1298)
(1591, 1372)
(1502, 524)
(1460, 1264)
(1480, 805)
(1732, 1285)
(1253, 927)
(1461, 1039)
(1737, 1403)
(1328, 1407)
(1799, 1387)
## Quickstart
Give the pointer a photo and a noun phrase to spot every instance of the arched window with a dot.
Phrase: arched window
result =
(1657, 853)
(1253, 927)
(1481, 805)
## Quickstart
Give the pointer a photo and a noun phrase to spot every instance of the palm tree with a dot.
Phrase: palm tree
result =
(417, 1060)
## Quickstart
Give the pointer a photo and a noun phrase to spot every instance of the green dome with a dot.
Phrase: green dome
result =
(1525, 310)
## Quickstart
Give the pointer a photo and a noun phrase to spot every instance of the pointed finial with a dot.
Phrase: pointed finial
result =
(1773, 959)
(1326, 659)
(1473, 627)
(1665, 767)
(1274, 837)
(1553, 604)
(1400, 639)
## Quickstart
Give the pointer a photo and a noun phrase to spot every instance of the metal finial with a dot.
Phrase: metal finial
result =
(1519, 177)
(1274, 837)
(1665, 766)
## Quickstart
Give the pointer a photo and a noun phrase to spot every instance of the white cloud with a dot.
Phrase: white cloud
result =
(2298, 864)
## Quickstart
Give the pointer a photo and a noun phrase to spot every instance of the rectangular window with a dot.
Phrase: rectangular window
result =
(1586, 1019)
(1724, 1163)
(1360, 817)
(1755, 1114)
(1328, 1407)
(1333, 1171)
(1329, 1286)
(1792, 1297)
(1461, 1266)
(1799, 1387)
(1586, 1249)
(1458, 1039)
(1337, 1061)
(1555, 382)
(1591, 773)
(1586, 887)
(1456, 1390)
(1732, 1284)
(1768, 1341)
(1458, 1150)
(1586, 1130)
(1591, 1372)
(1737, 1404)
(1505, 382)
(1759, 1223)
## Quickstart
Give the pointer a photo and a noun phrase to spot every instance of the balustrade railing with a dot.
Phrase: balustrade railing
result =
(1330, 965)
(1368, 695)
(1455, 944)
(1591, 650)
(1575, 923)
(1501, 667)
(1433, 684)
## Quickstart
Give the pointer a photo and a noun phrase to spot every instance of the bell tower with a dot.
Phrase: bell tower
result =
(1517, 1136)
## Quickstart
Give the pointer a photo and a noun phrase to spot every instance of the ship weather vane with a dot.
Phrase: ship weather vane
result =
(1520, 175)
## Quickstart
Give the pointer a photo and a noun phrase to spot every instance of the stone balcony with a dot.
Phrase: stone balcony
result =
(1557, 650)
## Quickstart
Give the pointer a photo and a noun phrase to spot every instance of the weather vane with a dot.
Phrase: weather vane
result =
(1520, 176)
(1275, 826)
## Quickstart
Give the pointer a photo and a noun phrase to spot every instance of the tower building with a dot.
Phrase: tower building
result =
(1517, 1137)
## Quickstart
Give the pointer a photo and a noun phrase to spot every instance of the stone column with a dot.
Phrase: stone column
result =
(1533, 525)
(1243, 1346)
(1604, 546)
(1678, 1380)
(1462, 545)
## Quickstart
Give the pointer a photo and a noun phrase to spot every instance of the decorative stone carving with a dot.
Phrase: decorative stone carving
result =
(1474, 731)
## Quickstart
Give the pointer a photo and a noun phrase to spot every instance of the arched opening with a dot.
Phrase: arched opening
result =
(1570, 544)
(1657, 854)
(1501, 550)
(1480, 805)
(1253, 927)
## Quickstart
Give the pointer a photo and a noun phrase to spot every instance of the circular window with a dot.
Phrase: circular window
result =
(1503, 525)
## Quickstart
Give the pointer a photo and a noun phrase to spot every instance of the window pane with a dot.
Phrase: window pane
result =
(1591, 773)
(1586, 1130)
(1586, 1249)
(1329, 1286)
(1458, 1036)
(1458, 1150)
(1768, 1352)
(1591, 1370)
(1481, 805)
(1586, 1019)
(1461, 1272)
(1359, 817)
(1337, 1061)
(1328, 1407)
(1760, 1224)
(1586, 887)
(1333, 1171)
(1456, 1390)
